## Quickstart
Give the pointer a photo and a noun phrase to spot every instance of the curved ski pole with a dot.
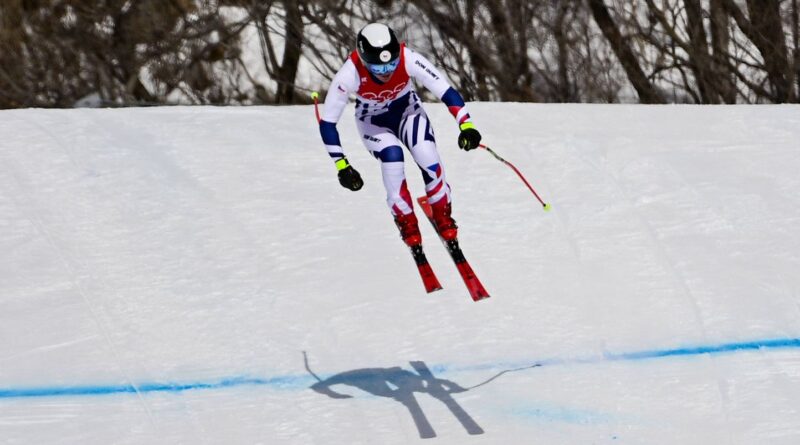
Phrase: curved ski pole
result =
(545, 205)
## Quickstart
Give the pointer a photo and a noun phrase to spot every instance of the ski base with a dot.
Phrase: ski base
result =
(474, 285)
(429, 279)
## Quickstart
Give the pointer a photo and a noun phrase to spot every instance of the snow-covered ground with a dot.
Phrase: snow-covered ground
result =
(198, 276)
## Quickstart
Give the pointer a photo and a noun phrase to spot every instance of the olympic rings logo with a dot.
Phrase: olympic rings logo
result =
(384, 95)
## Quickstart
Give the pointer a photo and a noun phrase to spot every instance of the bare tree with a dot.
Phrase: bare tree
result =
(278, 20)
(764, 28)
(126, 52)
(58, 51)
(703, 68)
(621, 47)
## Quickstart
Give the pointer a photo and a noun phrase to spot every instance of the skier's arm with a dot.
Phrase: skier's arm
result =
(423, 70)
(343, 83)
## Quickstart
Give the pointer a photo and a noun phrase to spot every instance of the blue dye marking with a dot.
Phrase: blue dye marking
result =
(724, 348)
(294, 382)
(713, 349)
(91, 390)
(554, 413)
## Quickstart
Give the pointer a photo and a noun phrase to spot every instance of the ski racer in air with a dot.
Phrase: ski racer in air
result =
(389, 115)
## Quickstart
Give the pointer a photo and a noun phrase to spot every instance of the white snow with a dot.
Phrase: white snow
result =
(163, 271)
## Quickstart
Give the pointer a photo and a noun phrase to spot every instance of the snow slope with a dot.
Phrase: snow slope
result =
(197, 276)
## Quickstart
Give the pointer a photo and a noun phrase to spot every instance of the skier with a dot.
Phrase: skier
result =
(389, 113)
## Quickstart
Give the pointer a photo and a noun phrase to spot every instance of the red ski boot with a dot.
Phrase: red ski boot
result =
(445, 224)
(409, 229)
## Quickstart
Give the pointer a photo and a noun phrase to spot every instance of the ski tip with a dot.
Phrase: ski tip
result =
(434, 289)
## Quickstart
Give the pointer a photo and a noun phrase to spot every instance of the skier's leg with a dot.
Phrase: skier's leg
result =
(417, 133)
(386, 147)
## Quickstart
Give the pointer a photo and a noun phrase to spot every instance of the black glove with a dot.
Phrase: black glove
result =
(469, 137)
(350, 179)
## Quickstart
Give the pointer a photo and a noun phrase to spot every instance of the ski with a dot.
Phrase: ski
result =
(474, 286)
(429, 279)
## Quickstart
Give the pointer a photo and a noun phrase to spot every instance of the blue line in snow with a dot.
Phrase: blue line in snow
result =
(714, 349)
(99, 390)
(304, 381)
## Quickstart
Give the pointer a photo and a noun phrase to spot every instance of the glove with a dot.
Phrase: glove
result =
(348, 176)
(469, 137)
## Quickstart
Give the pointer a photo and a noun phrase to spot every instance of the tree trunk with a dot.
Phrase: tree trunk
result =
(565, 90)
(765, 30)
(478, 62)
(796, 44)
(700, 60)
(765, 16)
(292, 49)
(720, 43)
(647, 93)
(516, 76)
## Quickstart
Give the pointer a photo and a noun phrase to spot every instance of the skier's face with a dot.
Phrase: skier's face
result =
(383, 71)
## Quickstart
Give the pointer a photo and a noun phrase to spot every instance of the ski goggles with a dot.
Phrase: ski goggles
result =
(383, 68)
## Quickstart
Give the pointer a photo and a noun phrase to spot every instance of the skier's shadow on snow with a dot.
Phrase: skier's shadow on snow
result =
(400, 385)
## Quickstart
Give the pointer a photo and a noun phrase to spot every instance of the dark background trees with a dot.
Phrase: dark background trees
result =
(59, 53)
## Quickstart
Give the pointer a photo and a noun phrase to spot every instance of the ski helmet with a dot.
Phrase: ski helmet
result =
(378, 48)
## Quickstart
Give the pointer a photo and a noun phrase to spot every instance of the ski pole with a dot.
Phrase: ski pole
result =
(545, 205)
(315, 96)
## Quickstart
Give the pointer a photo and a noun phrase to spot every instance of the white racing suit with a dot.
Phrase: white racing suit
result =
(390, 115)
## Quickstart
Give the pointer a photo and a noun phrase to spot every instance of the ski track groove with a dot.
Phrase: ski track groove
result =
(222, 210)
(182, 177)
(569, 236)
(676, 274)
(34, 216)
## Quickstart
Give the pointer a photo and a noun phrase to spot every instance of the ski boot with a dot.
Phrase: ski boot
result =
(409, 229)
(445, 224)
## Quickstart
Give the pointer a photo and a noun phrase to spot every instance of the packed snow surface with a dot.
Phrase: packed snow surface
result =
(198, 276)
